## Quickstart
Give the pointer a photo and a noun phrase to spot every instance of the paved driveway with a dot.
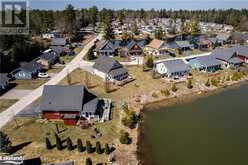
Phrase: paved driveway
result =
(15, 94)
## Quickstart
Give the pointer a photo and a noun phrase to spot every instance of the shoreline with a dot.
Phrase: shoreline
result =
(176, 100)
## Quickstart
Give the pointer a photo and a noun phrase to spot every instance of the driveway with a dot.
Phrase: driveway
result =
(16, 94)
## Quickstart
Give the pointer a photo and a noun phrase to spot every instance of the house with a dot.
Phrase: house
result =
(205, 63)
(4, 82)
(242, 52)
(172, 68)
(107, 48)
(60, 45)
(228, 57)
(59, 42)
(154, 47)
(108, 68)
(136, 47)
(223, 38)
(203, 43)
(28, 71)
(69, 103)
(48, 58)
(183, 45)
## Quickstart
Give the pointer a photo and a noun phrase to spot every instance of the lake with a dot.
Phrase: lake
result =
(208, 131)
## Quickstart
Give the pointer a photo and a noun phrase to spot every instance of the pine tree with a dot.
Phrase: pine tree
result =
(149, 62)
(69, 144)
(207, 84)
(88, 161)
(80, 145)
(58, 142)
(5, 143)
(48, 144)
(124, 138)
(89, 147)
(107, 149)
(174, 87)
(98, 147)
(189, 84)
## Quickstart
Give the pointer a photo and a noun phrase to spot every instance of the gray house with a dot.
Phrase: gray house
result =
(4, 82)
(205, 63)
(69, 102)
(48, 58)
(172, 68)
(228, 57)
(28, 71)
(108, 68)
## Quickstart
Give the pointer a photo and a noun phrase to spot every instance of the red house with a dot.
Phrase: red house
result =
(68, 103)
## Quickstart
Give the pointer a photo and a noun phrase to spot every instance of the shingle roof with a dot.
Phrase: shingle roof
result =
(66, 98)
(183, 44)
(106, 64)
(235, 60)
(223, 36)
(57, 49)
(223, 54)
(176, 66)
(155, 44)
(241, 50)
(58, 42)
(118, 71)
(32, 66)
(49, 55)
(208, 61)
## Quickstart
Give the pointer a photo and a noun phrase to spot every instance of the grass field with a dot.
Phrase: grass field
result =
(6, 103)
(29, 84)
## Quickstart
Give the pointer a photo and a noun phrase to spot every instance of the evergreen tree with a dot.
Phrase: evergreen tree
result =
(69, 144)
(207, 84)
(48, 144)
(149, 62)
(98, 147)
(80, 145)
(107, 149)
(89, 147)
(5, 143)
(135, 29)
(124, 138)
(88, 161)
(159, 33)
(189, 84)
(58, 142)
(174, 87)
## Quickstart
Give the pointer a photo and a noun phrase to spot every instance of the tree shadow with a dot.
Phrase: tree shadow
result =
(19, 147)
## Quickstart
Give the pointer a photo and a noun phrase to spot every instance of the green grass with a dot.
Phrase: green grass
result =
(29, 84)
(6, 103)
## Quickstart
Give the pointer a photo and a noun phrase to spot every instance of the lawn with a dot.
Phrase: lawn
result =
(6, 103)
(29, 84)
(55, 70)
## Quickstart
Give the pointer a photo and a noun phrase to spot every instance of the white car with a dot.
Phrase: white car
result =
(43, 75)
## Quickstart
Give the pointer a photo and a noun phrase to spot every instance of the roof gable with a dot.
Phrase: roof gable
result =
(106, 64)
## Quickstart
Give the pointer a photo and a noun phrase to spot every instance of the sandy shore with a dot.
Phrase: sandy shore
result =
(172, 100)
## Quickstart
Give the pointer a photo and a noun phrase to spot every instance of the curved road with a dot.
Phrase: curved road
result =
(9, 114)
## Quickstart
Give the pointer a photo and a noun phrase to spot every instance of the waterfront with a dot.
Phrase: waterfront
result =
(210, 130)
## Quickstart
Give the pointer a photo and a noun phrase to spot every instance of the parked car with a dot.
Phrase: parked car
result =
(43, 75)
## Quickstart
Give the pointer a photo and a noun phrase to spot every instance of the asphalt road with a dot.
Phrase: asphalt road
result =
(9, 114)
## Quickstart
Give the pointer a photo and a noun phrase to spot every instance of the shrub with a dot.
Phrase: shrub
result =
(89, 148)
(215, 82)
(237, 76)
(154, 94)
(58, 142)
(88, 161)
(69, 144)
(228, 78)
(131, 119)
(98, 147)
(165, 92)
(149, 62)
(124, 138)
(5, 143)
(174, 87)
(80, 145)
(189, 84)
(207, 84)
(107, 149)
(48, 144)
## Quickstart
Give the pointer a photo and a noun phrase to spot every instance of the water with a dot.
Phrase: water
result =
(208, 131)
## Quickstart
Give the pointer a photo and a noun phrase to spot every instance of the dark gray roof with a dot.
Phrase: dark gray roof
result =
(57, 49)
(223, 54)
(3, 78)
(58, 42)
(91, 106)
(183, 44)
(208, 61)
(176, 66)
(213, 39)
(118, 71)
(106, 64)
(235, 60)
(241, 50)
(49, 55)
(32, 66)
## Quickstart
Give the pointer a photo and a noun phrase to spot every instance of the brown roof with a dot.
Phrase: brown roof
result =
(155, 43)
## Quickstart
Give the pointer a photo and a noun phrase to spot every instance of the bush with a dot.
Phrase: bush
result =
(131, 119)
(207, 84)
(107, 149)
(149, 62)
(88, 161)
(215, 82)
(165, 92)
(58, 142)
(98, 147)
(189, 84)
(174, 87)
(69, 144)
(154, 94)
(124, 138)
(89, 148)
(237, 76)
(5, 143)
(48, 144)
(80, 145)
